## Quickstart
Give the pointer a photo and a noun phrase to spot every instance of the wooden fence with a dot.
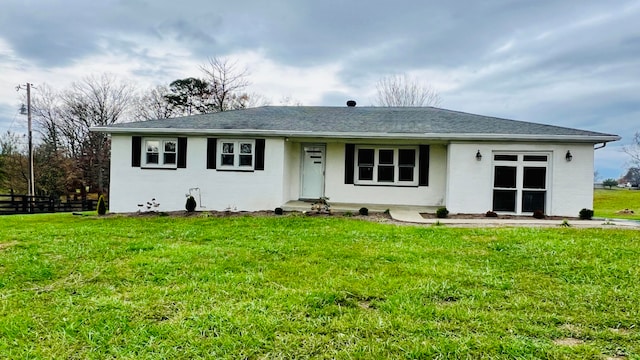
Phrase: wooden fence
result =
(25, 204)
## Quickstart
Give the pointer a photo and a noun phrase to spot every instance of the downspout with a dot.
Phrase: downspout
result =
(600, 147)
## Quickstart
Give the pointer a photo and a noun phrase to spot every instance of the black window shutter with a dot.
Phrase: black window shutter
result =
(259, 154)
(349, 153)
(212, 147)
(423, 166)
(182, 152)
(136, 150)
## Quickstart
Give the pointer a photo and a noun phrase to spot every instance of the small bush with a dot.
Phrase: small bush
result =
(491, 214)
(191, 204)
(363, 211)
(442, 213)
(539, 214)
(586, 214)
(565, 223)
(279, 211)
(348, 214)
(102, 206)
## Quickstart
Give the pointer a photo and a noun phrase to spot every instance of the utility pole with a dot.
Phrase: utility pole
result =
(32, 184)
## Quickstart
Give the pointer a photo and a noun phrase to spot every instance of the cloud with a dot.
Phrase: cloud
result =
(544, 61)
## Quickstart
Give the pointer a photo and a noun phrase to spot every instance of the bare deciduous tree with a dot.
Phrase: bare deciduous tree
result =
(633, 150)
(95, 101)
(401, 90)
(226, 82)
(15, 163)
(253, 100)
(289, 101)
(153, 104)
(45, 107)
(69, 156)
(55, 170)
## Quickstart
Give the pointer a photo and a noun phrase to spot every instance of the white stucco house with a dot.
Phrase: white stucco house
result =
(262, 158)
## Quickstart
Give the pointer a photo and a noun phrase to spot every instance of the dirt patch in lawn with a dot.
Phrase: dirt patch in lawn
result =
(569, 341)
(7, 245)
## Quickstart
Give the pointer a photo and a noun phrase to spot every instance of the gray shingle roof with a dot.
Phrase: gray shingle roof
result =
(422, 122)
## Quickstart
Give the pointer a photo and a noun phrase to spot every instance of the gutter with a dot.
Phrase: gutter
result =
(360, 135)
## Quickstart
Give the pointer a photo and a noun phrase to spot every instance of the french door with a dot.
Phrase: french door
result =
(520, 182)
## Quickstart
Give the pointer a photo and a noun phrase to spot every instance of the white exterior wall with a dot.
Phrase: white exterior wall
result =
(470, 182)
(292, 174)
(456, 179)
(338, 191)
(252, 191)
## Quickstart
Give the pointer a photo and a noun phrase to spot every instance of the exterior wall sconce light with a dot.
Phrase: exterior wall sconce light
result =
(478, 156)
(568, 157)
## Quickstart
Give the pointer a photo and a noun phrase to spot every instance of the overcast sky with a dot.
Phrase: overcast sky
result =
(568, 63)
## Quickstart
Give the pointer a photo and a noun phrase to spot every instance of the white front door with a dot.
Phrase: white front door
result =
(313, 157)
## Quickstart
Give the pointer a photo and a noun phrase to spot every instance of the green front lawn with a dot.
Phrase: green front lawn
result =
(323, 287)
(607, 203)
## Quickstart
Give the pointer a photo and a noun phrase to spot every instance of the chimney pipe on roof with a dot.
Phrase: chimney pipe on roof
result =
(351, 103)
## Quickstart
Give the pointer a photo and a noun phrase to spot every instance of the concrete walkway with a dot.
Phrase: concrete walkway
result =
(412, 216)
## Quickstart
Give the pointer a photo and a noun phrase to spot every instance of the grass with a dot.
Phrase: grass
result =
(607, 202)
(312, 287)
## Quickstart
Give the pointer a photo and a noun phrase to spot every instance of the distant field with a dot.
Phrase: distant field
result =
(312, 287)
(607, 202)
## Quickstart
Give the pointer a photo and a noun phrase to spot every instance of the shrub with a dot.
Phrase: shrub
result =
(442, 213)
(363, 211)
(348, 214)
(102, 206)
(586, 214)
(191, 204)
(491, 214)
(279, 211)
(538, 214)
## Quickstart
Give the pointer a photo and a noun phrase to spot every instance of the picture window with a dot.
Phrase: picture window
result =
(386, 166)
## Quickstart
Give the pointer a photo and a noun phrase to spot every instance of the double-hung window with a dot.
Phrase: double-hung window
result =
(236, 154)
(386, 166)
(160, 153)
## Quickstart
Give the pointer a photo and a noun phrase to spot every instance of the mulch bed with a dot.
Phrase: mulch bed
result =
(373, 216)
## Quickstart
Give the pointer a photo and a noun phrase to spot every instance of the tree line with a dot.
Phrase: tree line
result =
(68, 156)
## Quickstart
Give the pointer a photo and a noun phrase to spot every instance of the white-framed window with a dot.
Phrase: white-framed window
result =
(234, 154)
(520, 182)
(377, 165)
(160, 152)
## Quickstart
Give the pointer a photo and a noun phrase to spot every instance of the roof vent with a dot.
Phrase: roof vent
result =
(351, 103)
